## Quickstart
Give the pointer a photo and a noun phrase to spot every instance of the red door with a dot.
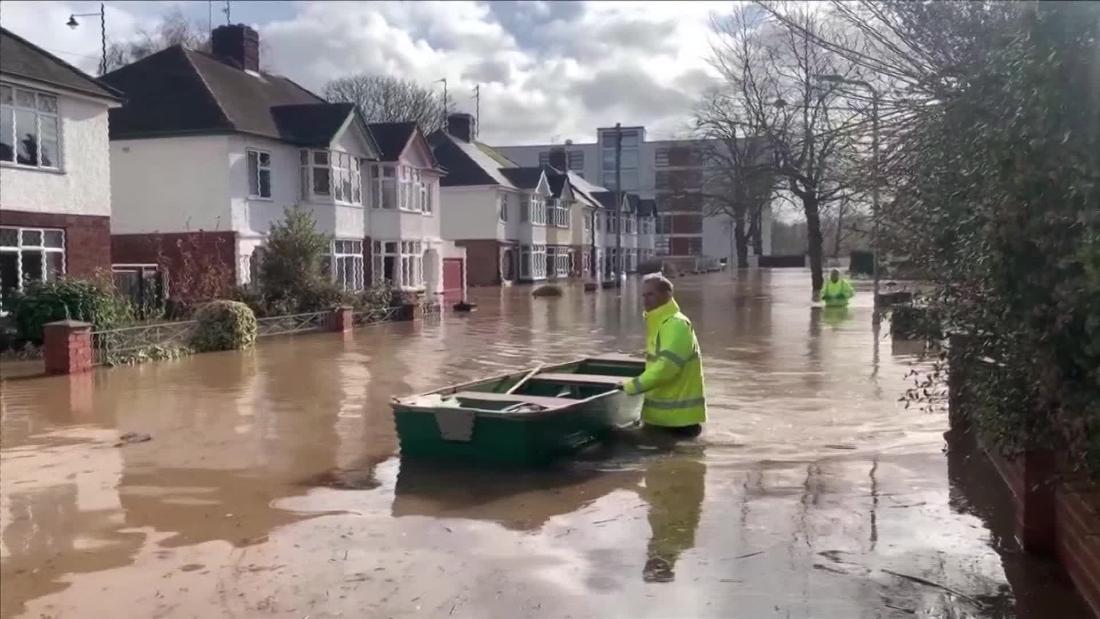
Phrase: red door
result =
(452, 280)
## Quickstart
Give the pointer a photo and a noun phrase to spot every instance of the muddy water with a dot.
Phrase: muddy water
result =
(271, 487)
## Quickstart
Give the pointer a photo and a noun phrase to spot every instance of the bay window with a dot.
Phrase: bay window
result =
(536, 209)
(384, 186)
(259, 173)
(400, 263)
(532, 263)
(347, 264)
(29, 255)
(334, 174)
(30, 130)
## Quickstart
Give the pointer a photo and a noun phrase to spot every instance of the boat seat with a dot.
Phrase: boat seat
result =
(578, 379)
(473, 396)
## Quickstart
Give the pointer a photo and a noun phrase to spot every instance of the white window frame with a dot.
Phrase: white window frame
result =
(340, 167)
(257, 153)
(21, 247)
(10, 109)
(408, 263)
(532, 264)
(346, 263)
(427, 195)
(502, 207)
(536, 209)
(408, 192)
(379, 180)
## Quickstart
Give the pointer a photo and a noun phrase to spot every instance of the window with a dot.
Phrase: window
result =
(587, 224)
(544, 158)
(532, 262)
(401, 263)
(536, 209)
(660, 158)
(30, 130)
(385, 187)
(259, 173)
(331, 174)
(347, 264)
(29, 255)
(576, 160)
(502, 209)
(426, 195)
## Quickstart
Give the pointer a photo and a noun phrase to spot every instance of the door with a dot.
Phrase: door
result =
(453, 277)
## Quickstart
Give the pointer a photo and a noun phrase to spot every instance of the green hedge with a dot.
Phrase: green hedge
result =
(89, 301)
(224, 325)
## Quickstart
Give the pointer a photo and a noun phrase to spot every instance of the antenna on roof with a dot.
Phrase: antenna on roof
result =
(226, 11)
(477, 110)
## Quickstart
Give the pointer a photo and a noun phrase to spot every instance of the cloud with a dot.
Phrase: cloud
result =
(545, 68)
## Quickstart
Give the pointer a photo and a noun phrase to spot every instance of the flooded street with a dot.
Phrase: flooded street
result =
(271, 485)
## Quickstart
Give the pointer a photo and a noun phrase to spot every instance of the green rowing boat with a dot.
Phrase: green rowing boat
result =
(528, 417)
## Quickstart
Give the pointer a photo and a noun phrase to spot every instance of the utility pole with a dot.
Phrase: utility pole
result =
(618, 204)
(72, 23)
(477, 110)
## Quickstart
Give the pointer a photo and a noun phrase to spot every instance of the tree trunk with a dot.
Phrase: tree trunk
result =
(741, 240)
(839, 229)
(756, 234)
(814, 242)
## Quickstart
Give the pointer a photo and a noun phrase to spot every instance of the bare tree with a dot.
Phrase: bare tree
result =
(174, 29)
(382, 98)
(771, 72)
(739, 177)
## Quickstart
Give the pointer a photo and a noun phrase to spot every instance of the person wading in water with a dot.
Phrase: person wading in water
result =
(673, 378)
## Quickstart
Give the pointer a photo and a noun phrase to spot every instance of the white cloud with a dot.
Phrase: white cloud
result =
(545, 68)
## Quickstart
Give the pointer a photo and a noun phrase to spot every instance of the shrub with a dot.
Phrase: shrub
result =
(224, 325)
(90, 301)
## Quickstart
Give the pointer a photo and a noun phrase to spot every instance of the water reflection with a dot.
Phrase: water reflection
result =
(674, 489)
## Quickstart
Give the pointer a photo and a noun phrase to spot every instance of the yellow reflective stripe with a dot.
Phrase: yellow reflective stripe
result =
(673, 404)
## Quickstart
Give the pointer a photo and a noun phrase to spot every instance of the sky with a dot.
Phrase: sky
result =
(549, 71)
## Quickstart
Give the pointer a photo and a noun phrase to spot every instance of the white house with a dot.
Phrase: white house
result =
(55, 192)
(208, 142)
(403, 222)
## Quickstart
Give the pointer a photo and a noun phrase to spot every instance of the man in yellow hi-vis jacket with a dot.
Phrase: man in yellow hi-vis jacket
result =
(673, 378)
(837, 291)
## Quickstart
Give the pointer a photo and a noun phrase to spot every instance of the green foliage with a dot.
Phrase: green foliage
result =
(997, 194)
(148, 353)
(224, 325)
(89, 301)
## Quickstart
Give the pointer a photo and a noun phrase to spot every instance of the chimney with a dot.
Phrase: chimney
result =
(461, 125)
(558, 159)
(237, 46)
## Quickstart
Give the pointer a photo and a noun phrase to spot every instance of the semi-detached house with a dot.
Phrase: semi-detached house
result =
(209, 142)
(55, 193)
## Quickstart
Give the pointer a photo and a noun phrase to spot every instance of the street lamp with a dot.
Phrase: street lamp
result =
(72, 23)
(839, 79)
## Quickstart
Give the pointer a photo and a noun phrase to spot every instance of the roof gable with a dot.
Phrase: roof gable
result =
(404, 141)
(21, 58)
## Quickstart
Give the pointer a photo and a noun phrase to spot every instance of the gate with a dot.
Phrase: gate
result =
(453, 278)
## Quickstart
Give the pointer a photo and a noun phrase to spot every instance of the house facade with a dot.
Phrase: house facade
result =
(403, 223)
(666, 171)
(207, 171)
(55, 192)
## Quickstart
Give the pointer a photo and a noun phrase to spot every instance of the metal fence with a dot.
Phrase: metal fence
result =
(293, 323)
(140, 337)
(383, 314)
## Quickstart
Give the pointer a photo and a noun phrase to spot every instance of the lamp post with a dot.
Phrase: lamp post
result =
(838, 79)
(72, 23)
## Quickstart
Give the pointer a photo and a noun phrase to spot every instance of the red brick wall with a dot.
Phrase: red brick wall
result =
(191, 260)
(483, 261)
(87, 238)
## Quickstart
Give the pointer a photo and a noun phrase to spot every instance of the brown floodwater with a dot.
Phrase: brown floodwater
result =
(272, 487)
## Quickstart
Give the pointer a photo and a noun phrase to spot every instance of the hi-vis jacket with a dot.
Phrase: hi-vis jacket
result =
(836, 294)
(673, 377)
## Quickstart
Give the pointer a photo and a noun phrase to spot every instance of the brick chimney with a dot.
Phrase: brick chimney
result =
(558, 159)
(461, 125)
(237, 46)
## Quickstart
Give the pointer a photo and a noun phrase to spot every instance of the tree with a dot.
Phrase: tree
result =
(174, 29)
(771, 72)
(739, 177)
(383, 98)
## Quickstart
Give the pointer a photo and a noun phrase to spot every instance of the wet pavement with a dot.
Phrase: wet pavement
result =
(271, 485)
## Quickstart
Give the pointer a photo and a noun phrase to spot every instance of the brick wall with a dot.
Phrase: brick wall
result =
(190, 260)
(87, 238)
(483, 261)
